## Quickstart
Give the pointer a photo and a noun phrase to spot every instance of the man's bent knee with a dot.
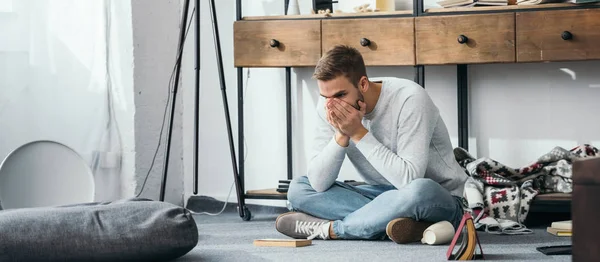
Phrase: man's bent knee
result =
(422, 184)
(298, 191)
(424, 189)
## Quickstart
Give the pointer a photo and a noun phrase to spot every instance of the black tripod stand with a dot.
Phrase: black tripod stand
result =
(244, 212)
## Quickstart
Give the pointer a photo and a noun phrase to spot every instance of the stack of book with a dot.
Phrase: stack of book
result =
(471, 3)
(561, 228)
(284, 185)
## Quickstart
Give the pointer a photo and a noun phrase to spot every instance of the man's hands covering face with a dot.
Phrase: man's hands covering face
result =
(346, 119)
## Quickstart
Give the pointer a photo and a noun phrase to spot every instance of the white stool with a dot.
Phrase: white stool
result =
(44, 173)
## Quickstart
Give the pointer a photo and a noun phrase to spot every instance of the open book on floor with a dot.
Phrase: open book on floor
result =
(468, 247)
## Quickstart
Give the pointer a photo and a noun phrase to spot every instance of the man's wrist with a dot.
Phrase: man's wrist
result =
(342, 140)
(356, 137)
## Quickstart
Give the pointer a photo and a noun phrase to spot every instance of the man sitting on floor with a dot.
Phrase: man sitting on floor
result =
(394, 136)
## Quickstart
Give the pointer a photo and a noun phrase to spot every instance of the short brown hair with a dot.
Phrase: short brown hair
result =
(341, 60)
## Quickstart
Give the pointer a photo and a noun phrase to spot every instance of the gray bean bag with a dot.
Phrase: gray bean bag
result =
(125, 230)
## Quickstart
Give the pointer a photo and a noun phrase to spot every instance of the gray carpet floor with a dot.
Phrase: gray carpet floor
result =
(228, 238)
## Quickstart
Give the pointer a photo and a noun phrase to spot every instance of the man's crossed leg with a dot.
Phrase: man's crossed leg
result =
(367, 212)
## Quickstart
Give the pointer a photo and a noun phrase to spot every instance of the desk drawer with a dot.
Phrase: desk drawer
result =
(465, 39)
(277, 43)
(558, 35)
(381, 41)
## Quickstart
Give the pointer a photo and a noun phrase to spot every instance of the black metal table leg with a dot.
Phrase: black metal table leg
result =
(418, 7)
(463, 106)
(241, 192)
(239, 176)
(288, 96)
(420, 75)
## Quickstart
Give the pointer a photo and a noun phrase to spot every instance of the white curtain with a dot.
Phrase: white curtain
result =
(66, 75)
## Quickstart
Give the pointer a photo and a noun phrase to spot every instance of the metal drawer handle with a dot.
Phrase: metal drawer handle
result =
(274, 43)
(365, 42)
(566, 35)
(462, 39)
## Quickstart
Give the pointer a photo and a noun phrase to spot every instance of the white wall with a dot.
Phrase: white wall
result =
(155, 37)
(521, 111)
(122, 62)
(53, 85)
(517, 111)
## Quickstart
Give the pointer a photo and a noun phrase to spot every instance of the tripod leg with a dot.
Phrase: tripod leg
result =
(171, 120)
(196, 95)
(244, 213)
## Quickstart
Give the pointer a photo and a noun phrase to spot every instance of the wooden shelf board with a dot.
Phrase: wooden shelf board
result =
(508, 7)
(320, 16)
(552, 197)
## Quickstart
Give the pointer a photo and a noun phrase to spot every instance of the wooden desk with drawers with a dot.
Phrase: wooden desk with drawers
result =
(417, 38)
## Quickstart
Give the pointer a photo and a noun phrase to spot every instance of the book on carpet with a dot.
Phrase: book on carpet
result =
(282, 242)
(567, 225)
(469, 241)
(559, 232)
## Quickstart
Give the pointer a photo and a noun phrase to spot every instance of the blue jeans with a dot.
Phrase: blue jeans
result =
(363, 212)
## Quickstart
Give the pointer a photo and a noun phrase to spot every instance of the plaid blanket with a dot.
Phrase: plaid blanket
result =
(499, 196)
